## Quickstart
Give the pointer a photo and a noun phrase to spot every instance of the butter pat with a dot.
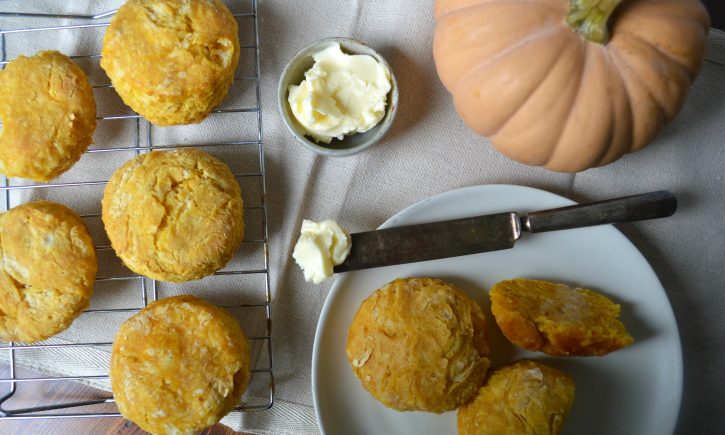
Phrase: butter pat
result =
(320, 247)
(341, 94)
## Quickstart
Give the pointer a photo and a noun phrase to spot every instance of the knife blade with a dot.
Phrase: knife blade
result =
(476, 234)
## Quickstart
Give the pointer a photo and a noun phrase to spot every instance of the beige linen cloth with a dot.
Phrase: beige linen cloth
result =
(428, 151)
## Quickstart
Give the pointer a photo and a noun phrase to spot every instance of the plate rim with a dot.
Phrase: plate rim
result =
(392, 221)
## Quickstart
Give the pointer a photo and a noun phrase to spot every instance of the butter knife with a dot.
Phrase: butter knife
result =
(472, 235)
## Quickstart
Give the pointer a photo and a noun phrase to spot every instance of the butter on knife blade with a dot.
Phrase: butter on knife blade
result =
(472, 235)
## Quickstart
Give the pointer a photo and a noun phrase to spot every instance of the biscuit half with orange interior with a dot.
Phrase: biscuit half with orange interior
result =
(557, 319)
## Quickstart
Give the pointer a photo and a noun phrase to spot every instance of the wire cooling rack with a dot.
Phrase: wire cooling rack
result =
(233, 132)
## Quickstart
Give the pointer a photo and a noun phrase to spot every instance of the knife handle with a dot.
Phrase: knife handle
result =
(611, 211)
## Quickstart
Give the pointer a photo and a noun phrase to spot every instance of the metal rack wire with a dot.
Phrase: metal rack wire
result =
(236, 132)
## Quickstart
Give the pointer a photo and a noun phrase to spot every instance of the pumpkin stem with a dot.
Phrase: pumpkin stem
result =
(591, 18)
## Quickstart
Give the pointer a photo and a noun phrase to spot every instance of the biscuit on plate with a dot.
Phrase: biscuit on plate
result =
(174, 215)
(48, 269)
(48, 114)
(524, 398)
(419, 344)
(179, 365)
(556, 319)
(171, 61)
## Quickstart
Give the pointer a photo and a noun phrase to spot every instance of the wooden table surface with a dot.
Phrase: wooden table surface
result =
(116, 425)
(47, 392)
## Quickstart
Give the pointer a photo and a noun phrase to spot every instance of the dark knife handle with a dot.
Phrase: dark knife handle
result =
(627, 209)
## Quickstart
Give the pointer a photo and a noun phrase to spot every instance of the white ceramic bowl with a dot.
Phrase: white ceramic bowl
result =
(294, 73)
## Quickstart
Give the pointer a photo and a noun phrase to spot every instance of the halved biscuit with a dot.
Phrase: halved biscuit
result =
(556, 319)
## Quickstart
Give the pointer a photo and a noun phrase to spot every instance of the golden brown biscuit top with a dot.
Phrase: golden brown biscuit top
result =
(179, 365)
(174, 215)
(48, 269)
(171, 47)
(49, 115)
(419, 344)
(524, 398)
(556, 319)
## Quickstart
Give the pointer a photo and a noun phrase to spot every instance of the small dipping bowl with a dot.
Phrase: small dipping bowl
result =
(294, 74)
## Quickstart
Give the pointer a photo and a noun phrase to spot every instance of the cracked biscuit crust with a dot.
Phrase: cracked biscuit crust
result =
(172, 61)
(179, 365)
(419, 344)
(48, 269)
(524, 398)
(48, 114)
(556, 319)
(174, 215)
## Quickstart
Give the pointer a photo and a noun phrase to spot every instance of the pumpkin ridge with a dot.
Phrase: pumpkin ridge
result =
(608, 156)
(604, 153)
(593, 155)
(620, 63)
(571, 109)
(646, 84)
(614, 61)
(701, 16)
(673, 17)
(531, 94)
(461, 9)
(532, 37)
(661, 51)
(546, 147)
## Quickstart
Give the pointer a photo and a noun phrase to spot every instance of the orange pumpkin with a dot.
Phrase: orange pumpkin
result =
(569, 84)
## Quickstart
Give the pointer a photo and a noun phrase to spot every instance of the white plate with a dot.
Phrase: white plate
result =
(635, 391)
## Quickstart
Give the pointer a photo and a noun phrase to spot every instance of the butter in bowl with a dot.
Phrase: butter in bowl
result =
(338, 96)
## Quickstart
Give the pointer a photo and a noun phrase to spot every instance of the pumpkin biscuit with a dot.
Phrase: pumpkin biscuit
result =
(524, 398)
(179, 365)
(48, 269)
(171, 61)
(48, 113)
(419, 344)
(174, 215)
(556, 319)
